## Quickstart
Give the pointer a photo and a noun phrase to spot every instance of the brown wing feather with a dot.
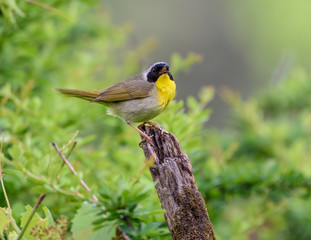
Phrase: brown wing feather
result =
(127, 90)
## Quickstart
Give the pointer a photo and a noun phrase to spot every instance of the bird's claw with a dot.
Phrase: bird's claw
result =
(153, 124)
(148, 139)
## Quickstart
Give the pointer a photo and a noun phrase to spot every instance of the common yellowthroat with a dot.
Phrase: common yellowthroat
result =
(138, 99)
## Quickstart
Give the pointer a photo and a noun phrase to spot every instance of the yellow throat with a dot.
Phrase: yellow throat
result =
(166, 89)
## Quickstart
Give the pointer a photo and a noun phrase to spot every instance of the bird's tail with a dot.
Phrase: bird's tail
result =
(86, 95)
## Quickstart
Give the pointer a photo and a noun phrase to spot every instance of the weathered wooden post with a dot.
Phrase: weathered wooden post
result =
(186, 213)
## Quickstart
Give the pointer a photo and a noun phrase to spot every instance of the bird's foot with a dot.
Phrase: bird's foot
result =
(148, 139)
(153, 124)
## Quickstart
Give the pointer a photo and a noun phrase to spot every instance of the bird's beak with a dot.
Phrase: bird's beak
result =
(163, 70)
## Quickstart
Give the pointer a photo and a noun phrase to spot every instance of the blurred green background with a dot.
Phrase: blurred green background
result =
(242, 114)
(244, 44)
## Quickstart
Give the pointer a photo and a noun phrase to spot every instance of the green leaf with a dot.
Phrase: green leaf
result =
(107, 231)
(82, 225)
(48, 215)
(192, 103)
(16, 152)
(4, 219)
(42, 189)
(35, 220)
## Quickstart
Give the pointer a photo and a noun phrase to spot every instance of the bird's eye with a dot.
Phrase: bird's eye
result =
(153, 70)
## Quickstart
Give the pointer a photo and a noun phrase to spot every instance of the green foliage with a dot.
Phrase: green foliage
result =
(259, 172)
(43, 228)
(255, 175)
(83, 227)
(122, 206)
(10, 10)
(180, 64)
(38, 228)
(53, 231)
(4, 219)
(130, 206)
(87, 52)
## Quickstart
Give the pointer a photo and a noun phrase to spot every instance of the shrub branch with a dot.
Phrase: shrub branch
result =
(73, 171)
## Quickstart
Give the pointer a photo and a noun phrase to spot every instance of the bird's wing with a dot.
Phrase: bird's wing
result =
(130, 89)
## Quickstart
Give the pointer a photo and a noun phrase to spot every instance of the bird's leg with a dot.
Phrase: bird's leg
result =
(150, 123)
(146, 138)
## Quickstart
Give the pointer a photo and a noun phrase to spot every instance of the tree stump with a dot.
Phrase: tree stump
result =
(186, 213)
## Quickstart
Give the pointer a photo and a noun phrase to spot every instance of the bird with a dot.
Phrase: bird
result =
(137, 99)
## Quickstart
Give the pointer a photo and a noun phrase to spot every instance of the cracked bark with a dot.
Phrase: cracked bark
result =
(185, 210)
